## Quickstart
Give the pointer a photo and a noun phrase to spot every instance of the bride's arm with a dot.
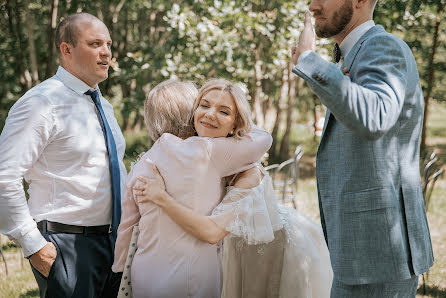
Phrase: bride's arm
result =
(200, 226)
(196, 224)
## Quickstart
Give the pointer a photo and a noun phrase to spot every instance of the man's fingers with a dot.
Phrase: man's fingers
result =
(293, 50)
(307, 21)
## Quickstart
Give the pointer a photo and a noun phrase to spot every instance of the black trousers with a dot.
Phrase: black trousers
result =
(82, 267)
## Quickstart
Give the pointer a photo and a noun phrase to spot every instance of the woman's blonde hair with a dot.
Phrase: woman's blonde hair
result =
(168, 107)
(243, 122)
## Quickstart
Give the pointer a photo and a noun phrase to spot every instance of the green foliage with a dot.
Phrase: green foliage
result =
(416, 21)
(245, 41)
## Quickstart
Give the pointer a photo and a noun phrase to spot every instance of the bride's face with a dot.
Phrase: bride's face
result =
(215, 115)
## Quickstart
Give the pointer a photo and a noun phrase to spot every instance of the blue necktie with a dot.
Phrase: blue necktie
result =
(113, 161)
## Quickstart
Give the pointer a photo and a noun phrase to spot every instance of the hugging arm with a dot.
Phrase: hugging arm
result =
(196, 224)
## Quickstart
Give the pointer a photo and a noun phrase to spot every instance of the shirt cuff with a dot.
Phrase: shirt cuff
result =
(303, 55)
(32, 242)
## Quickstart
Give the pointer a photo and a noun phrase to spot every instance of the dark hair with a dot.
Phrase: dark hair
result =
(68, 31)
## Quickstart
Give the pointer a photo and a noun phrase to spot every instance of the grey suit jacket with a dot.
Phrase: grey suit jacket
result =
(368, 180)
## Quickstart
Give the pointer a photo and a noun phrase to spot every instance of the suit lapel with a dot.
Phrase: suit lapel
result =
(348, 61)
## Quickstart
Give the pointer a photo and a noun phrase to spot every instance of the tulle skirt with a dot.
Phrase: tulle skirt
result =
(272, 250)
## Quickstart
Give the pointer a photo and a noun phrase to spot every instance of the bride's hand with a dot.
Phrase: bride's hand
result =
(150, 189)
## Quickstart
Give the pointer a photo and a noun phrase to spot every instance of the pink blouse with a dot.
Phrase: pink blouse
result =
(170, 262)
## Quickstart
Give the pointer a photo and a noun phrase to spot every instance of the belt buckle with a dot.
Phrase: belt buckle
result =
(109, 229)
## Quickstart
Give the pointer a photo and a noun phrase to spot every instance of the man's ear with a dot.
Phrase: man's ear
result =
(360, 3)
(65, 49)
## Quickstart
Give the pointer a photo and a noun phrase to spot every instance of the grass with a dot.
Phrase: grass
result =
(20, 281)
(436, 140)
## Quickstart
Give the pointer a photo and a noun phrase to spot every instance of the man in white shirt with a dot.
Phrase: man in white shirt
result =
(63, 139)
(367, 164)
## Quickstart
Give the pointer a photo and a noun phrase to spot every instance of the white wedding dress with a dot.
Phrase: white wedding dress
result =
(272, 250)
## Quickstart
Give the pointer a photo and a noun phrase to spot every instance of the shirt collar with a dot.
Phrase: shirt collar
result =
(72, 82)
(352, 38)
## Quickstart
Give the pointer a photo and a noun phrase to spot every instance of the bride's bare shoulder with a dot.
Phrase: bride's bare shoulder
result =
(249, 178)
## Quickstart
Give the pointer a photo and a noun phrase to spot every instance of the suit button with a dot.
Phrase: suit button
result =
(319, 79)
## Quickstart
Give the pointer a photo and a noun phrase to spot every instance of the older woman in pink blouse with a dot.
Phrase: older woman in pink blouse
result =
(170, 262)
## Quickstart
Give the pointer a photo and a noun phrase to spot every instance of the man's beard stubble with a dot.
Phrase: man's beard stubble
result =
(341, 18)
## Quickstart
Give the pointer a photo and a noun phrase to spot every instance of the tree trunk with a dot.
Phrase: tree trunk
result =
(51, 59)
(29, 25)
(293, 92)
(126, 107)
(116, 11)
(431, 77)
(16, 31)
(283, 95)
(258, 110)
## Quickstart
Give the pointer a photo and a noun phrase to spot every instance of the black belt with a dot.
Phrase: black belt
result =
(56, 227)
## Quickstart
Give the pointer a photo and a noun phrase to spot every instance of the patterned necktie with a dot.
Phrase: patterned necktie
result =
(113, 161)
(336, 53)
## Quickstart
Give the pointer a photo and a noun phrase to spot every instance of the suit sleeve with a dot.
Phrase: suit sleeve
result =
(369, 103)
(231, 155)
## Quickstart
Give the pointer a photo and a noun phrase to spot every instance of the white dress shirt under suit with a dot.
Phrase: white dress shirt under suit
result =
(53, 139)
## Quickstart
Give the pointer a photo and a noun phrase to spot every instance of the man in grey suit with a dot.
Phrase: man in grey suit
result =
(370, 197)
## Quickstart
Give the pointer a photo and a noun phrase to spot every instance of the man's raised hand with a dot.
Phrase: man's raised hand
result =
(307, 39)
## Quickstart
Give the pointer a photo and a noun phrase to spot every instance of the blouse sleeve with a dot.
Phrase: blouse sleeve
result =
(249, 213)
(130, 217)
(231, 155)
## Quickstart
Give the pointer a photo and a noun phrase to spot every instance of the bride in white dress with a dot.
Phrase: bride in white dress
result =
(269, 250)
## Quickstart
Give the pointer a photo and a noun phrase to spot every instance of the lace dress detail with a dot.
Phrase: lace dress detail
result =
(246, 214)
(272, 250)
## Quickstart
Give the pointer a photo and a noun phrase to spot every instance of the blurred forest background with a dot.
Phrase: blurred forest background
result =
(245, 41)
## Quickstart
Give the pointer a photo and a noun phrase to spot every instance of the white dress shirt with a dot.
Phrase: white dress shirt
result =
(53, 139)
(353, 37)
